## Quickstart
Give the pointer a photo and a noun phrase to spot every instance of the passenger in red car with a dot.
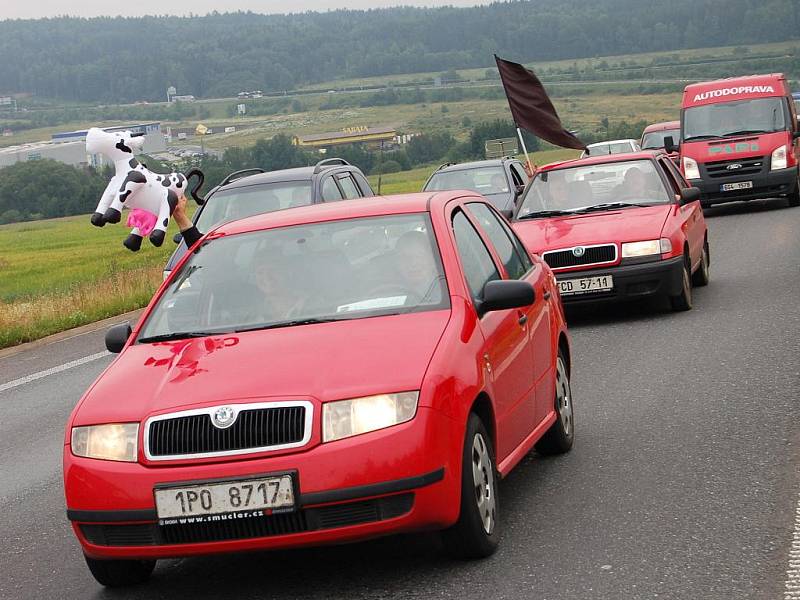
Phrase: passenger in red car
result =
(417, 269)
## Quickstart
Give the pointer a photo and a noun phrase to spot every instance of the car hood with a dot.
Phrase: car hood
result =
(326, 361)
(624, 225)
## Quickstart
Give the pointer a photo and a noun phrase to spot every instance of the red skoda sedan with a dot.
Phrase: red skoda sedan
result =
(625, 226)
(322, 375)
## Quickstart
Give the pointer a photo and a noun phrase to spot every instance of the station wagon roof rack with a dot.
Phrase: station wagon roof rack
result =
(329, 162)
(239, 174)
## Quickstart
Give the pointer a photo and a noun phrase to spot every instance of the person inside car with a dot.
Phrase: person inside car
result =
(417, 269)
(498, 183)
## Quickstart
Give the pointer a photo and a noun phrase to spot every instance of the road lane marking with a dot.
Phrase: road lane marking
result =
(52, 371)
(793, 572)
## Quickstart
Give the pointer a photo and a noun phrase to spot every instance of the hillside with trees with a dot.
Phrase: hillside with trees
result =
(130, 59)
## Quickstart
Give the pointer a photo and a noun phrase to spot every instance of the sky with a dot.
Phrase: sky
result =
(36, 9)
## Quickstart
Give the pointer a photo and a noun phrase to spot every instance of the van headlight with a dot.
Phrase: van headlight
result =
(646, 248)
(346, 418)
(778, 160)
(114, 441)
(690, 168)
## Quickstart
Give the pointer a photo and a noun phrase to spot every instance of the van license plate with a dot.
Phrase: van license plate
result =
(741, 185)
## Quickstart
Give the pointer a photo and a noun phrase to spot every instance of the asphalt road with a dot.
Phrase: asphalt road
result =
(682, 484)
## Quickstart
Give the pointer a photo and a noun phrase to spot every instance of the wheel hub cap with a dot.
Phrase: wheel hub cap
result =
(483, 478)
(563, 397)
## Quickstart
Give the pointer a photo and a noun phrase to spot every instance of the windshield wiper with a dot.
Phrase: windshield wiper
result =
(608, 206)
(545, 213)
(744, 132)
(179, 335)
(701, 137)
(289, 323)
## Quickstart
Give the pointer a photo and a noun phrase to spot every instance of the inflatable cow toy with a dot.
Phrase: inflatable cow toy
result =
(149, 197)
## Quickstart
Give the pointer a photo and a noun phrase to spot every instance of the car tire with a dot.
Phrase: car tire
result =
(558, 439)
(701, 276)
(120, 573)
(683, 301)
(475, 534)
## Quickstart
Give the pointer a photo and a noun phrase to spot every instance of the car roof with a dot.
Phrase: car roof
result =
(604, 159)
(296, 174)
(476, 164)
(662, 126)
(612, 142)
(343, 209)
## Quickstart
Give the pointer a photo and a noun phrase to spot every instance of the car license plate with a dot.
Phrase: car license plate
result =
(741, 185)
(251, 496)
(585, 285)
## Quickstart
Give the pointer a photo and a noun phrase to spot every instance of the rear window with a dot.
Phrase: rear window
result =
(239, 203)
(484, 180)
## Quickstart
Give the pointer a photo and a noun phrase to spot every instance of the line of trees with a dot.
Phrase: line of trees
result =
(101, 59)
(43, 189)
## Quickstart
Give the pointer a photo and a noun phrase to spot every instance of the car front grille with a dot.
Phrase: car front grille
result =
(256, 428)
(591, 255)
(735, 168)
(308, 519)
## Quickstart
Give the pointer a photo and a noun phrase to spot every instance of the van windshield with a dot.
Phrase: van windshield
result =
(742, 117)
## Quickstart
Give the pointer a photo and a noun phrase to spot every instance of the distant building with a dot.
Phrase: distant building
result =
(352, 135)
(70, 147)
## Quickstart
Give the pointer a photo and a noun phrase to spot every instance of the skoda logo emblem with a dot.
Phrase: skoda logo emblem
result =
(733, 166)
(578, 251)
(223, 417)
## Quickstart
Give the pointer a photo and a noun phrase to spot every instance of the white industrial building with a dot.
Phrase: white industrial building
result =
(70, 147)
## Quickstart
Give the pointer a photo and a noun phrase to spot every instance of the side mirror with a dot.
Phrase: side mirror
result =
(502, 294)
(177, 238)
(796, 134)
(669, 144)
(518, 190)
(117, 336)
(690, 195)
(507, 213)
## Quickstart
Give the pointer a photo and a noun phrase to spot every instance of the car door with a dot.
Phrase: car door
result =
(517, 264)
(506, 349)
(691, 214)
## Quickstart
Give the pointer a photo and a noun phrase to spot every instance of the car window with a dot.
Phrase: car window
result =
(479, 268)
(241, 202)
(655, 139)
(519, 174)
(366, 189)
(671, 168)
(484, 180)
(330, 191)
(673, 182)
(317, 271)
(515, 259)
(573, 188)
(348, 186)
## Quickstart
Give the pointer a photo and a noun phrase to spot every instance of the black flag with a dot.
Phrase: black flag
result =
(531, 107)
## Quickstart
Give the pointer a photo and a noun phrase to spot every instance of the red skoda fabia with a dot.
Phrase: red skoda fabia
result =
(322, 375)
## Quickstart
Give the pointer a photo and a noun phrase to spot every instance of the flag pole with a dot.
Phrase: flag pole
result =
(524, 149)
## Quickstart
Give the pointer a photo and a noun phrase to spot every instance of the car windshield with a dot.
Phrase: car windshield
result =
(741, 117)
(238, 203)
(655, 139)
(628, 182)
(615, 148)
(337, 270)
(484, 180)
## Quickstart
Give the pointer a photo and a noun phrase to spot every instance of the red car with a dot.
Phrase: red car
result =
(616, 227)
(322, 375)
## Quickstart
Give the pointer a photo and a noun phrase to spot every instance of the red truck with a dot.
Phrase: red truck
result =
(739, 139)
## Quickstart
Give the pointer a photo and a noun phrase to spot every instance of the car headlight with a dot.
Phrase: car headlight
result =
(646, 248)
(778, 158)
(346, 418)
(690, 168)
(115, 441)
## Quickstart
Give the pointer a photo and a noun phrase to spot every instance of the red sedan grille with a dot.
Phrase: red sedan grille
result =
(581, 256)
(255, 429)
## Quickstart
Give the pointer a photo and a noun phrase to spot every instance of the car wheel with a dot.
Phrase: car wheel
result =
(683, 301)
(475, 534)
(701, 276)
(120, 573)
(561, 434)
